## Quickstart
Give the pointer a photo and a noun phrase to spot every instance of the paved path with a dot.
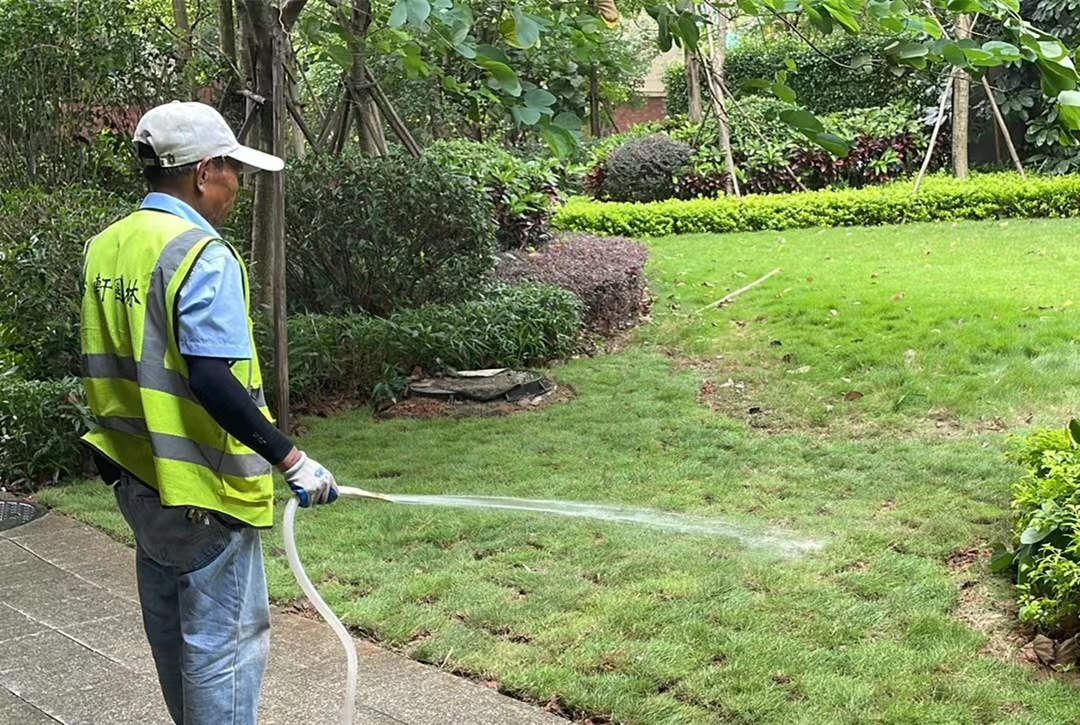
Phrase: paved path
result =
(72, 650)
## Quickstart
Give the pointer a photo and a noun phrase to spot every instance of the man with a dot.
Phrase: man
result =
(182, 431)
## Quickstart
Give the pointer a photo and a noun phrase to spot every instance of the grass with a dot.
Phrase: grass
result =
(639, 626)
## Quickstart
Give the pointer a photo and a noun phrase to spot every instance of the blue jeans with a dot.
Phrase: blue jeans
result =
(205, 610)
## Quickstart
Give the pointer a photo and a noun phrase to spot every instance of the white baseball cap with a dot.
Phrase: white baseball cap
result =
(187, 132)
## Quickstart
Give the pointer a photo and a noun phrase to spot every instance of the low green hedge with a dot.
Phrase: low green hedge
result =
(40, 425)
(358, 357)
(942, 198)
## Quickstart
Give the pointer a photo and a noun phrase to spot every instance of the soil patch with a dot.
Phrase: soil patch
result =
(429, 408)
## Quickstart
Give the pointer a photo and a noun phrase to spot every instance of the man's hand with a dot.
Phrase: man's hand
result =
(311, 483)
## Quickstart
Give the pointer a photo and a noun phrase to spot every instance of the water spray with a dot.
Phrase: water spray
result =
(778, 542)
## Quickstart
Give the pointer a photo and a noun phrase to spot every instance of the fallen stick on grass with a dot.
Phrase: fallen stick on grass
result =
(728, 298)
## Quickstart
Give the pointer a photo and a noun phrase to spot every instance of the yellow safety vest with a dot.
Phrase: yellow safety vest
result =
(147, 419)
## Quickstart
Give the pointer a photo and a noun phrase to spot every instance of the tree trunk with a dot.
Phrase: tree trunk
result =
(246, 64)
(719, 60)
(594, 103)
(227, 30)
(183, 32)
(961, 103)
(693, 87)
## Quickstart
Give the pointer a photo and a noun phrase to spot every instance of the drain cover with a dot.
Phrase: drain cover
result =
(16, 513)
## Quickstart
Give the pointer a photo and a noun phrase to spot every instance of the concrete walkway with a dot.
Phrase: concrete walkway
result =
(72, 650)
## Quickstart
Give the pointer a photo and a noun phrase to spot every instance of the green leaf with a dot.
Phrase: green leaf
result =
(561, 141)
(980, 58)
(1033, 535)
(862, 61)
(1074, 424)
(492, 53)
(832, 143)
(954, 54)
(419, 10)
(802, 120)
(526, 32)
(400, 14)
(747, 6)
(965, 6)
(1056, 76)
(688, 29)
(783, 92)
(569, 121)
(539, 97)
(465, 50)
(790, 63)
(340, 55)
(910, 50)
(1001, 559)
(1069, 113)
(503, 75)
(525, 115)
(459, 32)
(1006, 51)
(1052, 50)
(757, 84)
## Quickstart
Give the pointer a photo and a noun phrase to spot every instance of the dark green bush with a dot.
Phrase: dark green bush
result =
(942, 198)
(819, 84)
(522, 190)
(40, 425)
(348, 357)
(644, 169)
(1045, 549)
(376, 235)
(41, 243)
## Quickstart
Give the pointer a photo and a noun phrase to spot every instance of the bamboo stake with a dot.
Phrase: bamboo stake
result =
(1002, 126)
(933, 136)
(728, 298)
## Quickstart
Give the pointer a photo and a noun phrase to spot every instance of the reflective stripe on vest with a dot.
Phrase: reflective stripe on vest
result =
(148, 419)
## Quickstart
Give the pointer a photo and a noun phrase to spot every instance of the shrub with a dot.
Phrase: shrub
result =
(376, 235)
(1046, 541)
(607, 274)
(644, 169)
(819, 84)
(41, 243)
(942, 198)
(40, 425)
(522, 190)
(348, 357)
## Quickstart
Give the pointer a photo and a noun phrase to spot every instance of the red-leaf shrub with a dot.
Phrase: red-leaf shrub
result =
(606, 273)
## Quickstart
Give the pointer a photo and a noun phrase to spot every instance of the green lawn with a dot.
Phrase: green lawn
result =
(641, 626)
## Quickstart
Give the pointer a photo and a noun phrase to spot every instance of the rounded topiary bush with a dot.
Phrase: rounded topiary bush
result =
(644, 169)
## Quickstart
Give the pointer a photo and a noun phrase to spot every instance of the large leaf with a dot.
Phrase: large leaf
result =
(1006, 51)
(688, 30)
(561, 141)
(526, 32)
(910, 50)
(340, 55)
(419, 10)
(784, 92)
(1001, 559)
(502, 74)
(525, 115)
(539, 97)
(1069, 113)
(802, 120)
(1033, 535)
(832, 143)
(1074, 426)
(400, 14)
(569, 121)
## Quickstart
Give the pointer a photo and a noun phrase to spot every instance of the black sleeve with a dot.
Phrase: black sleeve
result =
(230, 405)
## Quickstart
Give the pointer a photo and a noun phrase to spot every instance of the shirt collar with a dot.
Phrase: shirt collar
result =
(164, 202)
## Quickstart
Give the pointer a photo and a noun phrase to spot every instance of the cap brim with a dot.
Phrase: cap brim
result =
(255, 160)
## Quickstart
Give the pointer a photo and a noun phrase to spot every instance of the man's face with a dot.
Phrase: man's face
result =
(216, 184)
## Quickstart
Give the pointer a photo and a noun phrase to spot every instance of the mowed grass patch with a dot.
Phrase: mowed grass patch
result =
(968, 324)
(643, 626)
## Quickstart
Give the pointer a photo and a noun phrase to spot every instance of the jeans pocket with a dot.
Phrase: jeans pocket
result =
(166, 533)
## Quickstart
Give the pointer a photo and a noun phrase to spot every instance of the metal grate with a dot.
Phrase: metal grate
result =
(16, 513)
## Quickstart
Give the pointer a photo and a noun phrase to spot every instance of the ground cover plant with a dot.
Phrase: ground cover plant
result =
(630, 625)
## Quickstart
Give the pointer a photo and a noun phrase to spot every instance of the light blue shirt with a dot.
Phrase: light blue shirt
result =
(211, 315)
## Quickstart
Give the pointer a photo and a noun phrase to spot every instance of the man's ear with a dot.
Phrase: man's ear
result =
(202, 174)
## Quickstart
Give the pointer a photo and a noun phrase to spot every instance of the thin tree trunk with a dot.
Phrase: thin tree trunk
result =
(246, 64)
(961, 104)
(183, 33)
(693, 87)
(227, 30)
(719, 60)
(595, 127)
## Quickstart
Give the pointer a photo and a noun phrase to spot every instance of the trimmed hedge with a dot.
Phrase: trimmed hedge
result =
(358, 357)
(40, 425)
(607, 274)
(984, 196)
